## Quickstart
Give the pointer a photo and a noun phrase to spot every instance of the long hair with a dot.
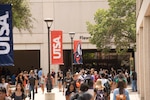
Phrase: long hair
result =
(22, 88)
(98, 84)
(121, 86)
(68, 88)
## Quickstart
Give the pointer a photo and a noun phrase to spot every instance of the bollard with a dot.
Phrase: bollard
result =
(49, 96)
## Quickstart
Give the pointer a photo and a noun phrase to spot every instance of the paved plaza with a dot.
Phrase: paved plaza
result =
(60, 96)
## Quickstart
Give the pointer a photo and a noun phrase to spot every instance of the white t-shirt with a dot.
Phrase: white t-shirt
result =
(103, 81)
(4, 85)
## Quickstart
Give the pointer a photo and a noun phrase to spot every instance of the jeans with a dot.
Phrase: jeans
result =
(31, 88)
(134, 85)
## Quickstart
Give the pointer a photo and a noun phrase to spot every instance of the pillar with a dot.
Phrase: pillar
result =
(141, 65)
(137, 59)
(146, 48)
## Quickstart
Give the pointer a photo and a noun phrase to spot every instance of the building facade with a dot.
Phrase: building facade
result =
(68, 15)
(143, 48)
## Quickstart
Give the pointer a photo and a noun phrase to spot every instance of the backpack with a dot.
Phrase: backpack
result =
(100, 95)
(88, 80)
(77, 96)
(120, 97)
(134, 76)
(107, 88)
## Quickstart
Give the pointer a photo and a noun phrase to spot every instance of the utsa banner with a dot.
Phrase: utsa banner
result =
(77, 54)
(6, 36)
(56, 47)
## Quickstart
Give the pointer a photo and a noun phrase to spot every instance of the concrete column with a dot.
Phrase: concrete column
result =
(44, 55)
(141, 65)
(137, 59)
(146, 37)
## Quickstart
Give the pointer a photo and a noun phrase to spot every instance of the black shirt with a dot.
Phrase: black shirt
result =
(32, 80)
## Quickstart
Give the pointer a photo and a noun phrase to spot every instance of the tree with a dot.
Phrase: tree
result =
(21, 16)
(114, 26)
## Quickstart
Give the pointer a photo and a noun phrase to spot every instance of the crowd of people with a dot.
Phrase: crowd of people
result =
(24, 83)
(87, 84)
(98, 84)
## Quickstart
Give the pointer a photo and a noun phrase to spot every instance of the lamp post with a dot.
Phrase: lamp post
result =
(71, 34)
(49, 22)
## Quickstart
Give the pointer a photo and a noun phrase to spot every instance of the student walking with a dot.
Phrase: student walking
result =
(42, 83)
(19, 93)
(120, 93)
(32, 79)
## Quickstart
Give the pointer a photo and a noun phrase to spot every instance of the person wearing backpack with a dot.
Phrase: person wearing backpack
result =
(89, 80)
(120, 93)
(99, 93)
(83, 93)
(106, 84)
(134, 81)
(120, 76)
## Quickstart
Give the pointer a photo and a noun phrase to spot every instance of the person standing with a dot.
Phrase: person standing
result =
(32, 79)
(134, 81)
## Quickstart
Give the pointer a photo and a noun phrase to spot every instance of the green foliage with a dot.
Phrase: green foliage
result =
(114, 26)
(22, 17)
(88, 56)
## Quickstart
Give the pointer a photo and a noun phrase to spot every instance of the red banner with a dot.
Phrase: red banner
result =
(56, 47)
(77, 59)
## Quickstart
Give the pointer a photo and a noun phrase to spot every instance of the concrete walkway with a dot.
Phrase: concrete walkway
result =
(60, 96)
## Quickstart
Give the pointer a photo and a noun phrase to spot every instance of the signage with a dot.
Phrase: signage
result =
(6, 36)
(77, 54)
(56, 47)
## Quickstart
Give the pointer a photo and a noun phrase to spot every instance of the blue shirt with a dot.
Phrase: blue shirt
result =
(116, 91)
(39, 73)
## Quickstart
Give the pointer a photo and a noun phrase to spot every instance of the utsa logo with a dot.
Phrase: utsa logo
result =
(4, 34)
(57, 47)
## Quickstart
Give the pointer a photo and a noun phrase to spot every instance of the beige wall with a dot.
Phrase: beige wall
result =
(68, 15)
(143, 48)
